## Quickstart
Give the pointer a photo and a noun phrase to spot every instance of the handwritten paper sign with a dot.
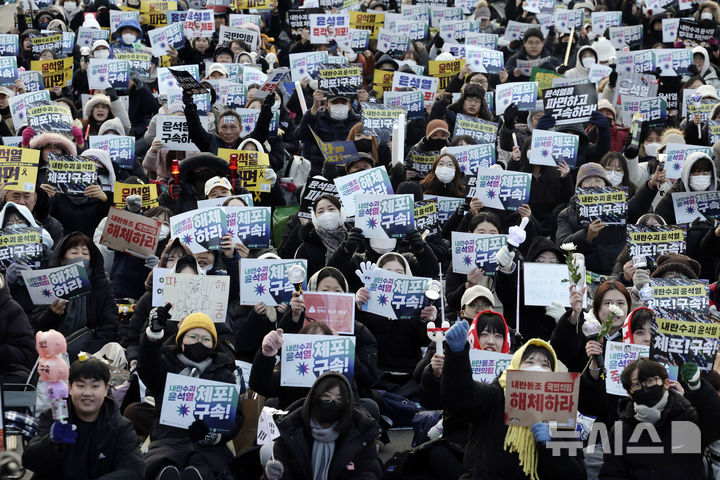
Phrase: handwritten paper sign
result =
(305, 357)
(619, 355)
(131, 233)
(201, 229)
(47, 285)
(385, 216)
(532, 397)
(266, 280)
(197, 293)
(553, 287)
(396, 296)
(471, 250)
(334, 309)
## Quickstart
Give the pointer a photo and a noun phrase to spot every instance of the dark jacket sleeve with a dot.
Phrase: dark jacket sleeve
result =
(458, 389)
(139, 318)
(707, 403)
(199, 136)
(149, 364)
(128, 461)
(641, 202)
(367, 372)
(232, 266)
(43, 318)
(569, 344)
(18, 343)
(263, 379)
(107, 325)
(567, 232)
(41, 455)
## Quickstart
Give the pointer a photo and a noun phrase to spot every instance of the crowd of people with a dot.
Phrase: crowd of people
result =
(116, 426)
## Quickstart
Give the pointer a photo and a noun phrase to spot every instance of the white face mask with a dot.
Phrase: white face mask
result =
(700, 183)
(588, 62)
(339, 112)
(129, 38)
(351, 56)
(445, 174)
(534, 368)
(383, 245)
(313, 84)
(328, 221)
(651, 149)
(615, 178)
(164, 231)
(706, 16)
(101, 54)
(69, 6)
(206, 268)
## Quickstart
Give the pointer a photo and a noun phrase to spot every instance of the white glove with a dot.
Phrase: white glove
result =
(714, 312)
(504, 258)
(270, 175)
(640, 278)
(517, 234)
(366, 272)
(556, 311)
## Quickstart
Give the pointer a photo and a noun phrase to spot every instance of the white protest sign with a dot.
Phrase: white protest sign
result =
(159, 274)
(545, 283)
(172, 131)
(374, 181)
(617, 356)
(486, 365)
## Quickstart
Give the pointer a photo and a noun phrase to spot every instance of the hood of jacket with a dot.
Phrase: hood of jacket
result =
(542, 244)
(712, 6)
(313, 282)
(581, 50)
(706, 64)
(28, 216)
(397, 257)
(687, 166)
(473, 334)
(96, 258)
(307, 404)
(219, 166)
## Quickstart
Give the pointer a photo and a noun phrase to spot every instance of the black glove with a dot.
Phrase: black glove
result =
(355, 238)
(551, 30)
(510, 115)
(439, 42)
(561, 69)
(198, 430)
(269, 101)
(597, 118)
(111, 93)
(693, 69)
(612, 79)
(187, 98)
(159, 317)
(417, 244)
(630, 152)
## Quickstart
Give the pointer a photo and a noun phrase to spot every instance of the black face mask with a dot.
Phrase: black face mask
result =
(648, 396)
(362, 145)
(327, 412)
(197, 352)
(436, 143)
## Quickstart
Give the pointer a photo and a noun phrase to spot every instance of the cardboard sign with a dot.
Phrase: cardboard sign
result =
(173, 133)
(396, 296)
(187, 82)
(522, 94)
(197, 293)
(681, 336)
(314, 189)
(481, 130)
(608, 204)
(305, 357)
(532, 397)
(484, 60)
(691, 205)
(148, 195)
(131, 233)
(199, 23)
(371, 182)
(619, 355)
(249, 225)
(47, 285)
(385, 216)
(266, 281)
(427, 85)
(70, 174)
(679, 294)
(473, 157)
(486, 366)
(52, 117)
(655, 240)
(336, 310)
(201, 229)
(187, 399)
(471, 250)
(18, 168)
(569, 105)
(551, 148)
(56, 73)
(504, 190)
(120, 148)
(20, 245)
(676, 155)
(161, 39)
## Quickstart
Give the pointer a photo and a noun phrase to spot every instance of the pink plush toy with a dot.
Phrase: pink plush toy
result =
(50, 343)
(53, 370)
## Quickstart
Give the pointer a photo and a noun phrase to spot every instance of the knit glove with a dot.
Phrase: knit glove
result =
(690, 375)
(61, 432)
(546, 122)
(270, 175)
(597, 118)
(417, 244)
(693, 69)
(200, 434)
(159, 317)
(13, 275)
(640, 278)
(27, 135)
(134, 203)
(456, 337)
(152, 261)
(274, 470)
(355, 238)
(541, 432)
(504, 257)
(556, 311)
(510, 115)
(77, 135)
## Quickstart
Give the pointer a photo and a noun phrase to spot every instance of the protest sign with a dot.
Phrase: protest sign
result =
(532, 397)
(689, 206)
(197, 293)
(655, 240)
(70, 173)
(103, 74)
(326, 27)
(158, 277)
(87, 36)
(550, 148)
(154, 12)
(14, 141)
(120, 148)
(427, 85)
(392, 43)
(187, 399)
(472, 157)
(504, 190)
(371, 182)
(199, 23)
(187, 82)
(384, 216)
(201, 229)
(306, 64)
(694, 33)
(442, 13)
(622, 37)
(249, 225)
(164, 38)
(681, 336)
(47, 285)
(607, 204)
(298, 20)
(314, 189)
(570, 105)
(635, 85)
(274, 78)
(46, 116)
(679, 294)
(455, 30)
(266, 280)
(479, 129)
(19, 168)
(8, 71)
(166, 80)
(378, 120)
(713, 131)
(445, 70)
(339, 152)
(232, 95)
(396, 296)
(140, 62)
(245, 198)
(411, 102)
(420, 161)
(33, 81)
(471, 250)
(485, 40)
(147, 192)
(601, 21)
(9, 44)
(249, 118)
(653, 110)
(598, 72)
(46, 41)
(382, 82)
(56, 73)
(336, 310)
(486, 366)
(446, 206)
(357, 40)
(176, 17)
(341, 79)
(640, 61)
(426, 216)
(20, 244)
(484, 60)
(670, 29)
(522, 94)
(676, 155)
(117, 16)
(305, 357)
(173, 133)
(673, 61)
(543, 78)
(553, 287)
(131, 233)
(619, 355)
(515, 30)
(230, 34)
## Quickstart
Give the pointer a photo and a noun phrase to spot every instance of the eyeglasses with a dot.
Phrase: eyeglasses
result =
(197, 338)
(649, 382)
(329, 397)
(473, 98)
(479, 82)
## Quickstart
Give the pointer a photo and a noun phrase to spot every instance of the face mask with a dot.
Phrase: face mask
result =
(615, 178)
(339, 112)
(129, 38)
(588, 62)
(534, 368)
(436, 143)
(648, 396)
(69, 6)
(383, 245)
(351, 56)
(197, 352)
(700, 183)
(327, 412)
(102, 54)
(328, 221)
(706, 16)
(651, 149)
(313, 84)
(207, 268)
(43, 25)
(445, 174)
(363, 145)
(164, 231)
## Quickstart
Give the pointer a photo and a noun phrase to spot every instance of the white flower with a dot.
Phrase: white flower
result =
(568, 247)
(615, 310)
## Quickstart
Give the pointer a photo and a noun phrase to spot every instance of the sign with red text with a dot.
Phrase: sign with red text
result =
(131, 233)
(336, 310)
(532, 397)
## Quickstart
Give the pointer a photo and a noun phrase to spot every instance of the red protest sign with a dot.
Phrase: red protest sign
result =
(130, 233)
(532, 397)
(336, 310)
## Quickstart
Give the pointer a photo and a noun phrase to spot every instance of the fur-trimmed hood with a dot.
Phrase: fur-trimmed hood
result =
(40, 141)
(712, 6)
(213, 162)
(97, 99)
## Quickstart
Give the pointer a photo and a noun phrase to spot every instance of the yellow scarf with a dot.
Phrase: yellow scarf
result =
(520, 440)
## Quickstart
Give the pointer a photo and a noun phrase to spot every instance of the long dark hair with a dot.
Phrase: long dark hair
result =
(607, 160)
(322, 385)
(431, 185)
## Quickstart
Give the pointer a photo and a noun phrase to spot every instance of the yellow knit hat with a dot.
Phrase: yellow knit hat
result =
(196, 320)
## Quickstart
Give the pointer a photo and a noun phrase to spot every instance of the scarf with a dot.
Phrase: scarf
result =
(323, 448)
(643, 413)
(75, 316)
(331, 239)
(193, 369)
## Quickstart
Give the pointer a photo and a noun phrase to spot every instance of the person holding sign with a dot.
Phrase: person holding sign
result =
(472, 103)
(494, 449)
(103, 107)
(533, 49)
(445, 178)
(327, 234)
(195, 354)
(698, 175)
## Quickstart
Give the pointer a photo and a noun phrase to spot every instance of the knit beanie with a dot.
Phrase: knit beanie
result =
(675, 262)
(589, 170)
(196, 320)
